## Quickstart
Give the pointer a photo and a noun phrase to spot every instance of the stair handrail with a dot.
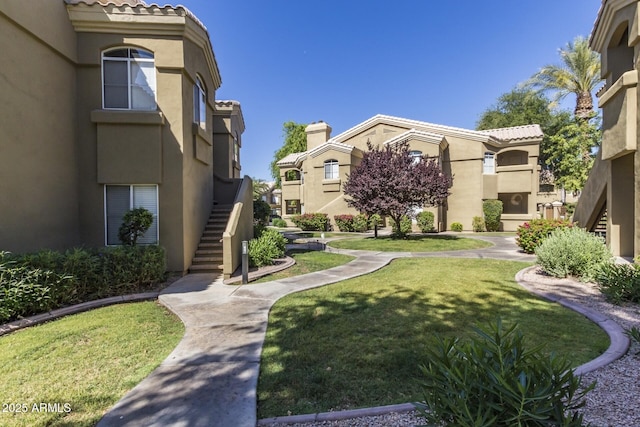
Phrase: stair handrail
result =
(594, 194)
(239, 227)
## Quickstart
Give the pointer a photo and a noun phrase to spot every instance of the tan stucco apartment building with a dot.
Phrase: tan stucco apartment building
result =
(109, 105)
(612, 192)
(493, 164)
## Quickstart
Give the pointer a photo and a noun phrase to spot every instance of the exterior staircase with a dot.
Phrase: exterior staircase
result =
(208, 257)
(600, 227)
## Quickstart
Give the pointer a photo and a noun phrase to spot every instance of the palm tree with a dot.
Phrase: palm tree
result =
(579, 74)
(260, 187)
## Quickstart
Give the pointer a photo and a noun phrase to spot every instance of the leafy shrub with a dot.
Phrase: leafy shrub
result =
(311, 221)
(532, 233)
(360, 223)
(344, 222)
(135, 223)
(258, 229)
(261, 211)
(456, 226)
(127, 269)
(405, 227)
(374, 220)
(572, 252)
(269, 246)
(46, 280)
(494, 380)
(26, 290)
(279, 222)
(492, 210)
(478, 225)
(425, 220)
(619, 282)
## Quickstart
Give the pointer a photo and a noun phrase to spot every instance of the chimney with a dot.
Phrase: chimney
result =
(317, 134)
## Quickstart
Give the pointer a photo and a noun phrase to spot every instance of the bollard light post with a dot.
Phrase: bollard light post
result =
(245, 262)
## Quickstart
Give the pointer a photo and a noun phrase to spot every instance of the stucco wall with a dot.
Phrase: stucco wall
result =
(197, 160)
(38, 178)
(169, 151)
(619, 102)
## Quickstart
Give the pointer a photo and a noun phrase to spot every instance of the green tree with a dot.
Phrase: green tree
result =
(570, 153)
(522, 107)
(295, 141)
(579, 74)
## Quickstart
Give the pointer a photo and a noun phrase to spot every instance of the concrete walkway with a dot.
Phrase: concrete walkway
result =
(210, 379)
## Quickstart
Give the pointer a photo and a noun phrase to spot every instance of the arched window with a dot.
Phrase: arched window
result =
(128, 79)
(292, 175)
(513, 157)
(331, 169)
(200, 104)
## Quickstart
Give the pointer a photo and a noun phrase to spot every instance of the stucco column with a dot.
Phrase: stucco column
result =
(620, 208)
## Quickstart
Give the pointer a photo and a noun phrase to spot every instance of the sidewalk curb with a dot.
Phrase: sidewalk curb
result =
(339, 415)
(7, 328)
(619, 340)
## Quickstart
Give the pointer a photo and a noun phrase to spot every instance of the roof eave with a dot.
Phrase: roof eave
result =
(149, 19)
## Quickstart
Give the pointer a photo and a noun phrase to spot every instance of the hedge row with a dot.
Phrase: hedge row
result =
(46, 280)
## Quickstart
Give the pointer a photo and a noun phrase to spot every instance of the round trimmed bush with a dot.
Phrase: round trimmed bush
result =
(279, 222)
(456, 226)
(492, 210)
(269, 246)
(425, 220)
(532, 233)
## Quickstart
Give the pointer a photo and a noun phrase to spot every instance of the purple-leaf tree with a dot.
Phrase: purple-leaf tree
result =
(391, 182)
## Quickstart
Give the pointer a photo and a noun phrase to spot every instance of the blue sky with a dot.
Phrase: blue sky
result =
(344, 61)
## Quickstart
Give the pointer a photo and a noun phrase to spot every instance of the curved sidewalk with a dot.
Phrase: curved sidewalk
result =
(210, 378)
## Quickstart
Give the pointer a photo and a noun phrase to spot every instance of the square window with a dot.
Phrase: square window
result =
(331, 169)
(121, 198)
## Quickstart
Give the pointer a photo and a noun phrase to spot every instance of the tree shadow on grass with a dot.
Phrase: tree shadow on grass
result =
(360, 350)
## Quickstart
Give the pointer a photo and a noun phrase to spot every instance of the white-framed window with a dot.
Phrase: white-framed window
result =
(331, 169)
(415, 155)
(489, 164)
(118, 199)
(200, 104)
(128, 79)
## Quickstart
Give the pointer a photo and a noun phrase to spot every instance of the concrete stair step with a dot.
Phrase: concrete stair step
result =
(205, 268)
(209, 252)
(207, 260)
(209, 245)
(214, 229)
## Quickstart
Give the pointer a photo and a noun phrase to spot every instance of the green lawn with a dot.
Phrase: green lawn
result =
(308, 262)
(88, 361)
(426, 243)
(358, 343)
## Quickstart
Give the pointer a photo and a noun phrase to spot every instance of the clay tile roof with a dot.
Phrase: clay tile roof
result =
(131, 3)
(291, 159)
(139, 3)
(516, 133)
